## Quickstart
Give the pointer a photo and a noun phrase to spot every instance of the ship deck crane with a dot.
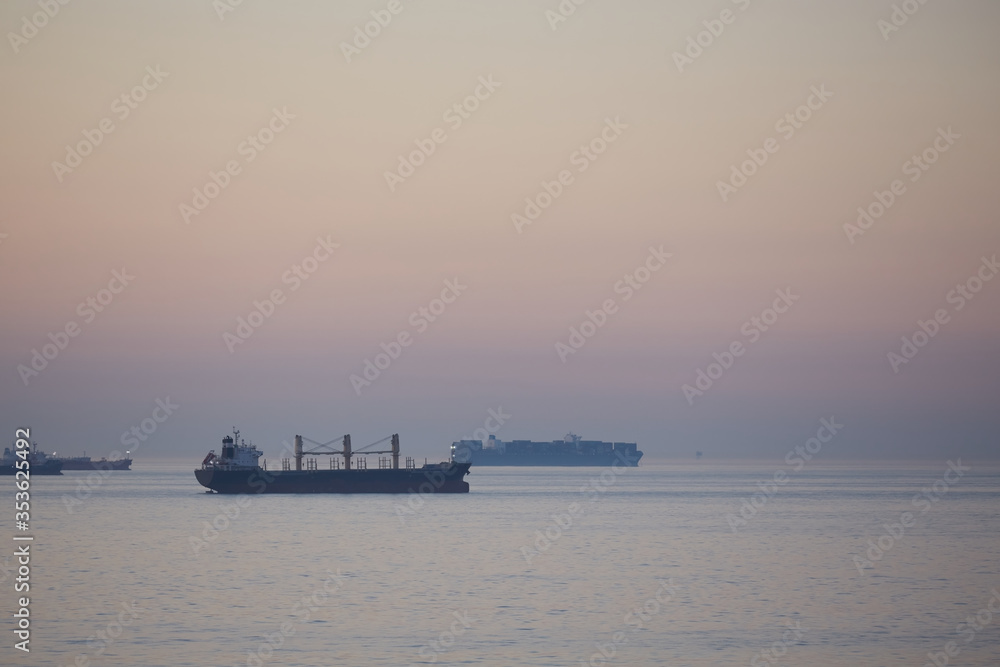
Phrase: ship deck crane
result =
(325, 448)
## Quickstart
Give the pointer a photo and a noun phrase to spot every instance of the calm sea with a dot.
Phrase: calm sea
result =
(850, 565)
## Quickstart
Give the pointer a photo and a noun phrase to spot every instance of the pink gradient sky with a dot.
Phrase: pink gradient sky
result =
(656, 185)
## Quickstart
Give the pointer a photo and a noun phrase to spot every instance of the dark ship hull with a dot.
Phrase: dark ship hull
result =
(47, 468)
(447, 478)
(86, 463)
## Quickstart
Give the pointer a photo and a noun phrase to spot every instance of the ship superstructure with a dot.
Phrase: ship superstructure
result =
(38, 462)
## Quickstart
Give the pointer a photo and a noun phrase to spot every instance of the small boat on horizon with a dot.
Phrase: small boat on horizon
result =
(86, 463)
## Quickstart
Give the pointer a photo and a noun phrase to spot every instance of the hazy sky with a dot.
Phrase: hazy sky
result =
(641, 137)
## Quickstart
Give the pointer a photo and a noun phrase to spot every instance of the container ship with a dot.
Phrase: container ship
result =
(39, 463)
(86, 463)
(237, 470)
(570, 451)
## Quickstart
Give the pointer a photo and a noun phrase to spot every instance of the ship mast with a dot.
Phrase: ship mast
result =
(324, 448)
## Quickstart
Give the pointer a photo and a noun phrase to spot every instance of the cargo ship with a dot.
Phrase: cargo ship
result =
(237, 469)
(570, 451)
(86, 463)
(38, 462)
